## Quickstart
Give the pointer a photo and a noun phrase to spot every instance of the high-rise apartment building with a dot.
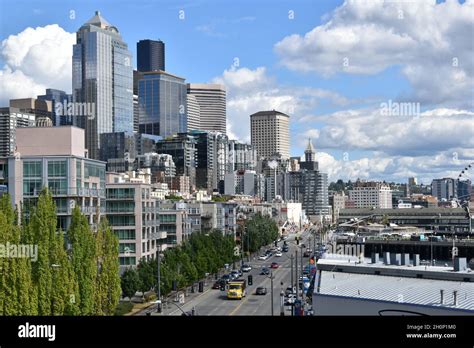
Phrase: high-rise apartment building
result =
(102, 81)
(150, 55)
(371, 194)
(212, 106)
(270, 133)
(133, 214)
(162, 104)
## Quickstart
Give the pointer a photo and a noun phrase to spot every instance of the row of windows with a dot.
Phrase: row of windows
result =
(120, 206)
(127, 261)
(168, 218)
(127, 248)
(120, 220)
(120, 193)
(125, 234)
(33, 169)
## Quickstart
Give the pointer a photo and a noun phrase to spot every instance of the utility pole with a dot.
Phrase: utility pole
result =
(271, 280)
(282, 303)
(296, 273)
(158, 306)
(291, 273)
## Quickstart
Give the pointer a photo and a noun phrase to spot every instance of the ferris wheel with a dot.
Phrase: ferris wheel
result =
(465, 197)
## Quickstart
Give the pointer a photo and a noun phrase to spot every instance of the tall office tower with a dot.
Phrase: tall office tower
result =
(194, 113)
(212, 160)
(102, 81)
(444, 189)
(10, 119)
(162, 104)
(183, 149)
(270, 133)
(150, 55)
(60, 101)
(136, 114)
(212, 104)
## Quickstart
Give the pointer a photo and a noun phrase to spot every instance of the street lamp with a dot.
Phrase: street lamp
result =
(158, 303)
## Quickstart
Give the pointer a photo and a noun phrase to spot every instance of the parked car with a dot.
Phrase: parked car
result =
(274, 265)
(306, 254)
(285, 249)
(278, 248)
(265, 271)
(246, 268)
(261, 290)
(263, 257)
(279, 254)
(290, 290)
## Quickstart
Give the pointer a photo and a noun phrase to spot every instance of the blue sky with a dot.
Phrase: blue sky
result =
(295, 64)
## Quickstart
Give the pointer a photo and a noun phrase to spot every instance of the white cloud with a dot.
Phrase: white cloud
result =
(250, 91)
(36, 59)
(396, 168)
(430, 42)
(428, 133)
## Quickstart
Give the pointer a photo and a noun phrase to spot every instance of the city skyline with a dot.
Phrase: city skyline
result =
(346, 97)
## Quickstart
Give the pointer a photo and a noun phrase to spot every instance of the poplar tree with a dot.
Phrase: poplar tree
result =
(108, 279)
(83, 260)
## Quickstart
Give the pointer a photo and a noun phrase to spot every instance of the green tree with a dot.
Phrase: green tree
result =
(147, 275)
(83, 259)
(108, 289)
(130, 283)
(43, 232)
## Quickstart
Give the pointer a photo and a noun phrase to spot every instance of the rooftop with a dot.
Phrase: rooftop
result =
(415, 291)
(269, 113)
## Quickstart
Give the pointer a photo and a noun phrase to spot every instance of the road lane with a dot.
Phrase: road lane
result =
(215, 302)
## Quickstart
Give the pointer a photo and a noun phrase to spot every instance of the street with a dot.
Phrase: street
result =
(215, 302)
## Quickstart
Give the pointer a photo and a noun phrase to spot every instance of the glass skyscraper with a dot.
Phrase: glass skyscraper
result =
(61, 97)
(102, 75)
(162, 104)
(150, 55)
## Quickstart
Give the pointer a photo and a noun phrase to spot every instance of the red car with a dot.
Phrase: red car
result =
(274, 265)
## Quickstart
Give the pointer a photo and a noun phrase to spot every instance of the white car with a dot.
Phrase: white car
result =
(279, 254)
(246, 268)
(278, 248)
(263, 257)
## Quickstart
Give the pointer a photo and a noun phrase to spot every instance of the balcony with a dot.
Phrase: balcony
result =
(151, 210)
(158, 235)
(92, 210)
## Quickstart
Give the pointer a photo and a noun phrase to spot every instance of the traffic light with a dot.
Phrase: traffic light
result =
(201, 286)
(297, 241)
(276, 244)
(250, 280)
(174, 285)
